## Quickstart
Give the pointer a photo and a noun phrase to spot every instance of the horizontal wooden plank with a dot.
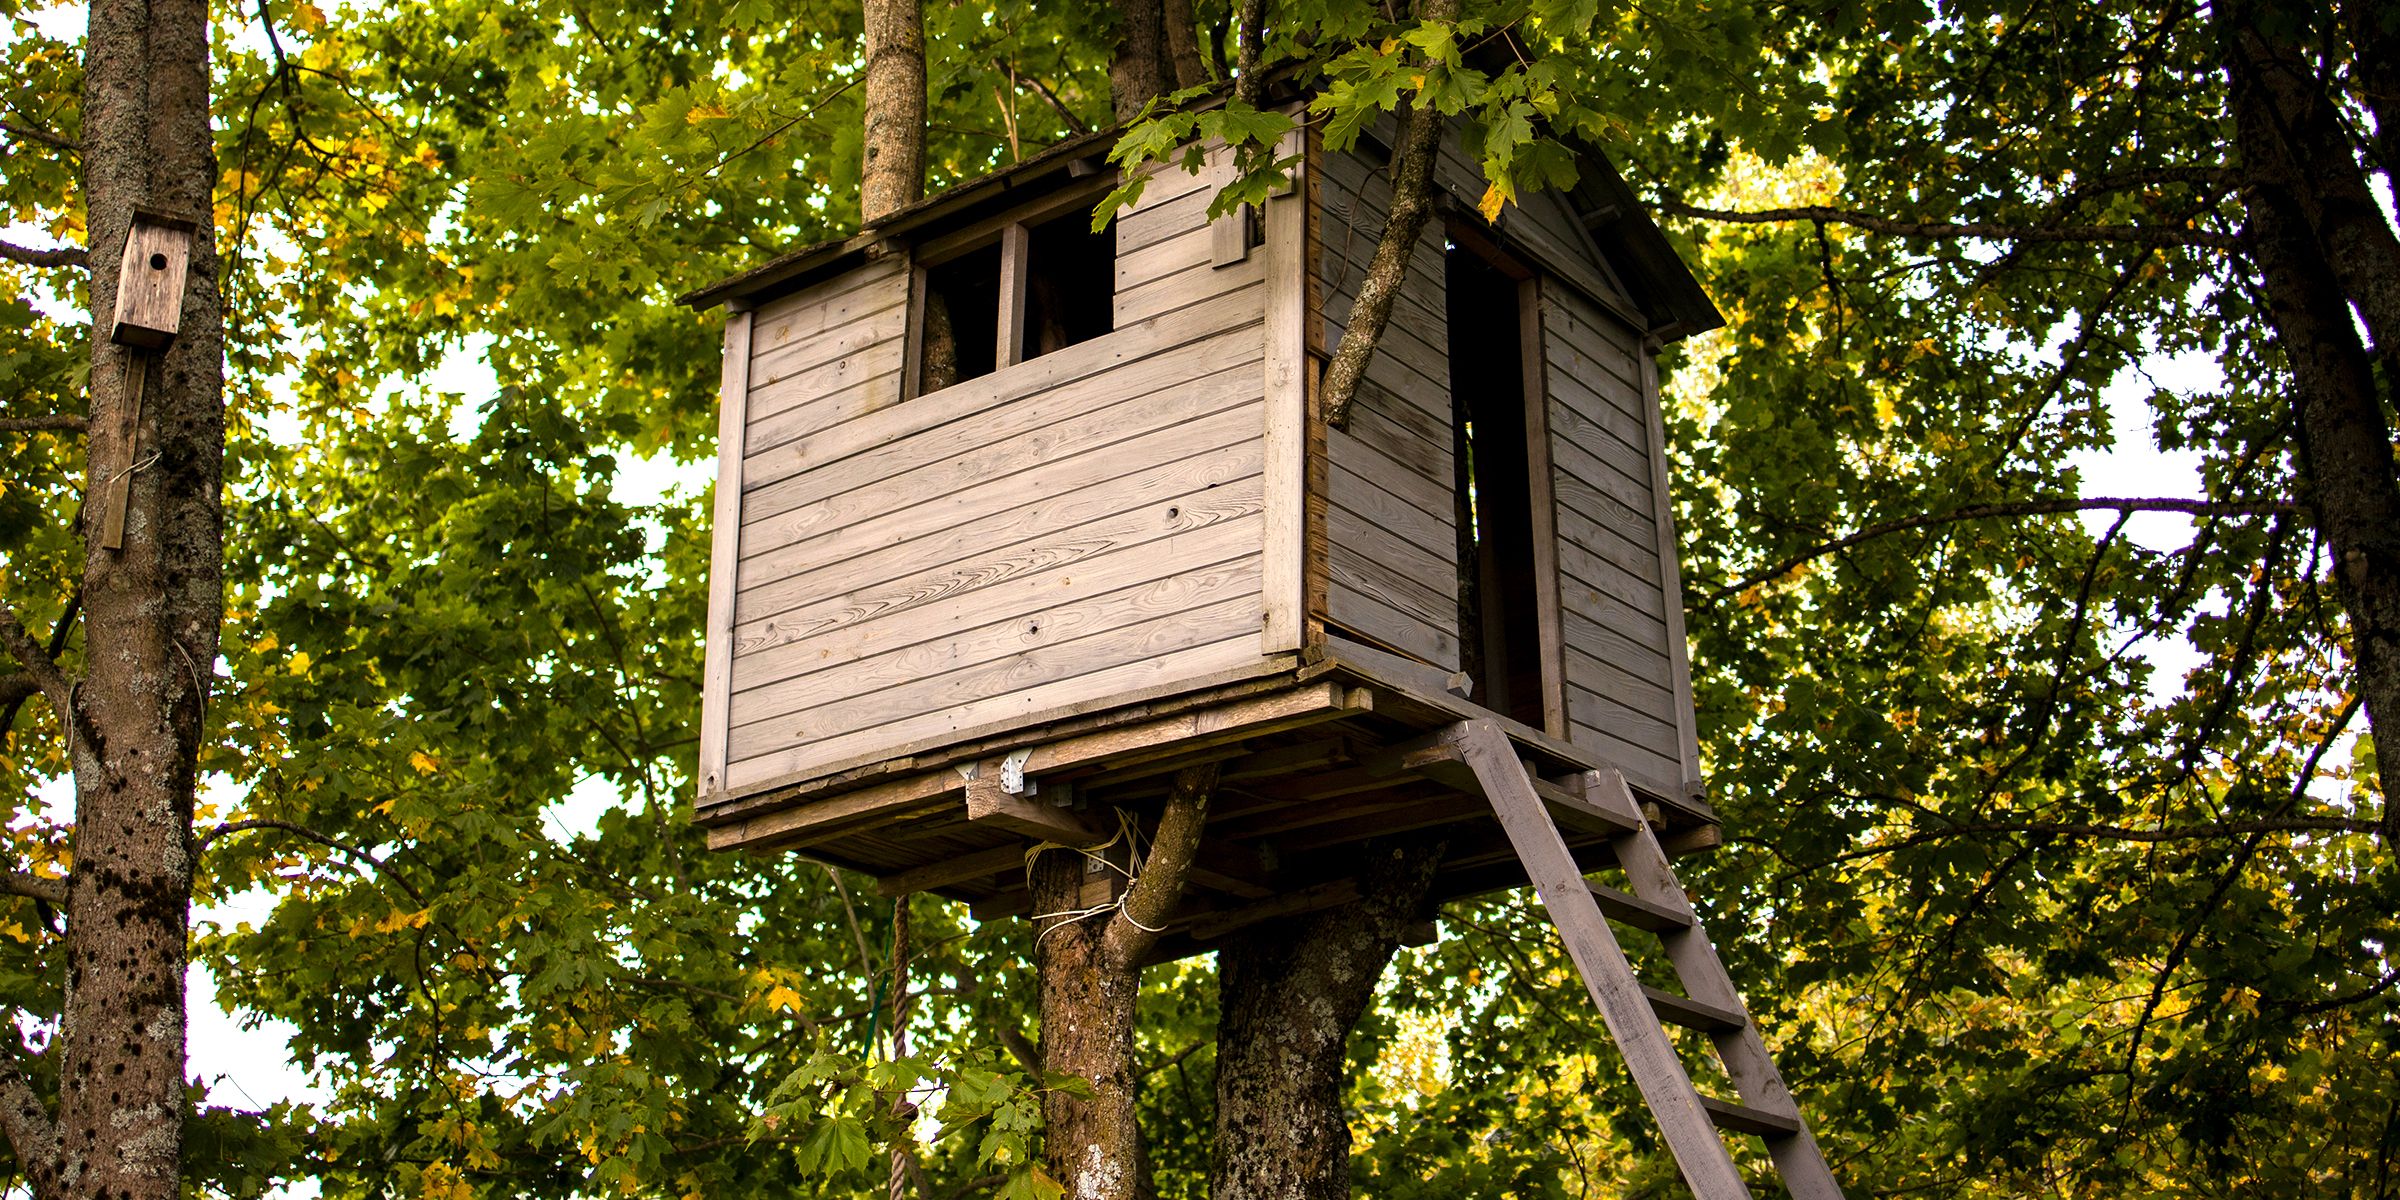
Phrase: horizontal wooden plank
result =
(794, 421)
(1198, 286)
(1167, 671)
(1157, 635)
(1013, 622)
(1646, 769)
(830, 294)
(1182, 252)
(1604, 526)
(1367, 481)
(1571, 459)
(787, 326)
(1632, 730)
(1649, 695)
(886, 324)
(1599, 329)
(1200, 374)
(1357, 606)
(1613, 537)
(1421, 575)
(1062, 379)
(1569, 424)
(1578, 565)
(1401, 431)
(1629, 909)
(895, 528)
(879, 361)
(1226, 515)
(1637, 647)
(1410, 508)
(1174, 203)
(1598, 396)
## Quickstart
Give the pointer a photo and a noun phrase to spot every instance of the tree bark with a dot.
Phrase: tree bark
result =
(1091, 974)
(892, 158)
(1186, 67)
(1289, 994)
(1139, 72)
(1412, 204)
(2345, 442)
(152, 611)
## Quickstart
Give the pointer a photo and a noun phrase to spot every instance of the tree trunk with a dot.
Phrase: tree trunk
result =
(1091, 974)
(1186, 67)
(1290, 992)
(151, 611)
(1139, 71)
(892, 159)
(2313, 263)
(1412, 204)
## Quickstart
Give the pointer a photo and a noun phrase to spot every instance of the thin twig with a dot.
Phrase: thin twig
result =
(323, 839)
(2026, 508)
(33, 134)
(2138, 235)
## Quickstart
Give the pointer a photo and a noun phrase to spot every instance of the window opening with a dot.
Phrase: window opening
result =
(1500, 644)
(1038, 289)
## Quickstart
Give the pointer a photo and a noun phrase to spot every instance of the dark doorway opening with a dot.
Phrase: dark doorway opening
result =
(1500, 644)
(962, 319)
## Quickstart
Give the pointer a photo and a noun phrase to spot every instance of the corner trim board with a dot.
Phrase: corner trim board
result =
(725, 554)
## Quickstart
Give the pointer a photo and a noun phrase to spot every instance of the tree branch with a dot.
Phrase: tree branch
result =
(64, 256)
(1074, 123)
(44, 136)
(39, 665)
(61, 422)
(2135, 234)
(2024, 508)
(322, 839)
(28, 1126)
(33, 887)
(14, 689)
(2120, 833)
(1152, 899)
(1412, 204)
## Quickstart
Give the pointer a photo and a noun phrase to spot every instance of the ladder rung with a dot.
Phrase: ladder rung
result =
(1637, 912)
(1741, 1118)
(1569, 808)
(1692, 1014)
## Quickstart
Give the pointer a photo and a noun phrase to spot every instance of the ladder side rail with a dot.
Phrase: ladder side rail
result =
(1747, 1060)
(1649, 1053)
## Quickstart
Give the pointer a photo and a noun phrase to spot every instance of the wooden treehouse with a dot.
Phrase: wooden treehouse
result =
(1014, 520)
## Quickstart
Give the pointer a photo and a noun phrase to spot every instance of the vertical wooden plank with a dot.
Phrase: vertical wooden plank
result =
(1545, 507)
(912, 360)
(1649, 1052)
(1229, 238)
(1316, 571)
(724, 555)
(1283, 582)
(1013, 243)
(1744, 1053)
(1687, 724)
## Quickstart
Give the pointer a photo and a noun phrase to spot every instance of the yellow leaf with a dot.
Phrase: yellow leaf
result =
(307, 16)
(299, 663)
(1489, 206)
(425, 764)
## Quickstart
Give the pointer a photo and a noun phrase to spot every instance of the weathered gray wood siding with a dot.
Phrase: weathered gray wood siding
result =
(1078, 526)
(1389, 518)
(1620, 660)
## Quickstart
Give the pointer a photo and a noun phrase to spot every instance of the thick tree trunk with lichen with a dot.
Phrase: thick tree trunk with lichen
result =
(1091, 974)
(1290, 992)
(892, 156)
(1140, 70)
(151, 612)
(2323, 252)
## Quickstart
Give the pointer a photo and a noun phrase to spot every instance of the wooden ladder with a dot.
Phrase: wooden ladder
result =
(1528, 808)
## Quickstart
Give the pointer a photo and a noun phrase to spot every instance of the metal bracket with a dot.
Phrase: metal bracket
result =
(1012, 775)
(967, 770)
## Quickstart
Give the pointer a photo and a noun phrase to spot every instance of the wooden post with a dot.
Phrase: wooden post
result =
(1670, 572)
(1538, 486)
(1283, 582)
(1014, 241)
(725, 554)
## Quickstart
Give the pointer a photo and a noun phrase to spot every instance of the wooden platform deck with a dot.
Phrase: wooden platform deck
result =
(1319, 751)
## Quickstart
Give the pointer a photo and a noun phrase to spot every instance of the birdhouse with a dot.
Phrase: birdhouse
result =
(150, 280)
(1013, 519)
